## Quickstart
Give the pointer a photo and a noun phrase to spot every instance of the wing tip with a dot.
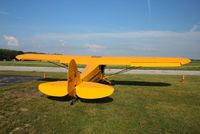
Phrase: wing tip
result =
(22, 56)
(19, 57)
(185, 61)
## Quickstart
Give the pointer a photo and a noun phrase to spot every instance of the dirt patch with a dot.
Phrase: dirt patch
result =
(22, 109)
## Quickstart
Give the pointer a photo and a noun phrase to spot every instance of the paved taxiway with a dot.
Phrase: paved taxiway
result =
(108, 71)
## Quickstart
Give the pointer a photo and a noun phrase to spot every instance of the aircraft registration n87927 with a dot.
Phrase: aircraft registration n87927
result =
(88, 84)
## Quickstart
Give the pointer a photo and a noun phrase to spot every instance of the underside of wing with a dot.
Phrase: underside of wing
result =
(110, 60)
(54, 58)
(142, 61)
(159, 62)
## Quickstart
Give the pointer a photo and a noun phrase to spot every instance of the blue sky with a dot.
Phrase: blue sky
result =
(102, 27)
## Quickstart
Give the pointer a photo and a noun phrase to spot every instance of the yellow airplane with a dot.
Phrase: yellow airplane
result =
(85, 85)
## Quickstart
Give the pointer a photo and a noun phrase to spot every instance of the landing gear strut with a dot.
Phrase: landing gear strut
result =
(74, 99)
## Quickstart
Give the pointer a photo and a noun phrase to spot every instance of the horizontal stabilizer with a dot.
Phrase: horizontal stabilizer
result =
(91, 90)
(58, 88)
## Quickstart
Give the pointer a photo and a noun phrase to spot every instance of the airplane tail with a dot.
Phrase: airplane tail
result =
(75, 86)
(84, 89)
(74, 78)
(63, 88)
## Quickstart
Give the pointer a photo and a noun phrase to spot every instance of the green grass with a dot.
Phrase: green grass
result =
(194, 65)
(27, 63)
(140, 104)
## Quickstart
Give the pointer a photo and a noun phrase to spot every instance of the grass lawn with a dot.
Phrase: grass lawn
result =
(27, 63)
(194, 65)
(140, 104)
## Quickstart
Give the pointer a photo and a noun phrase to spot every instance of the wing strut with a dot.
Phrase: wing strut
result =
(122, 71)
(64, 65)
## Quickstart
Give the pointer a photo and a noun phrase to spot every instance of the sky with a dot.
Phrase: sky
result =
(102, 27)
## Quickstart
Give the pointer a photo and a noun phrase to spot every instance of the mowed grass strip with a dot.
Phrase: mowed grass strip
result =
(140, 104)
(27, 63)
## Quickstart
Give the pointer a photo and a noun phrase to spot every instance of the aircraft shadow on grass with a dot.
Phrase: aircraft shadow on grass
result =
(102, 100)
(51, 79)
(140, 83)
(69, 98)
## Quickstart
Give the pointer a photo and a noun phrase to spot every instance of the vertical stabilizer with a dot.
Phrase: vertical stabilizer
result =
(73, 78)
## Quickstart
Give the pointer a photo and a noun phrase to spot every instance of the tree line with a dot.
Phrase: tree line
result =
(8, 55)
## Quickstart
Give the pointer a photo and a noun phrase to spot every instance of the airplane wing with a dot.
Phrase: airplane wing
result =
(110, 60)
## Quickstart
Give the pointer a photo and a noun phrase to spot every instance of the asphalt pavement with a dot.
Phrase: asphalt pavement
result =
(11, 79)
(107, 71)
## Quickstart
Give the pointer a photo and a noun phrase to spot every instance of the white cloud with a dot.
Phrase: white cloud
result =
(62, 43)
(11, 41)
(119, 35)
(141, 43)
(95, 47)
(195, 28)
(4, 13)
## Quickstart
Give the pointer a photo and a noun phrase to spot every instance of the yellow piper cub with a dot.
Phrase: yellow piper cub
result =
(85, 85)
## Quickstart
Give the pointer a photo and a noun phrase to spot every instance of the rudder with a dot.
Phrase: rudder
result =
(73, 78)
